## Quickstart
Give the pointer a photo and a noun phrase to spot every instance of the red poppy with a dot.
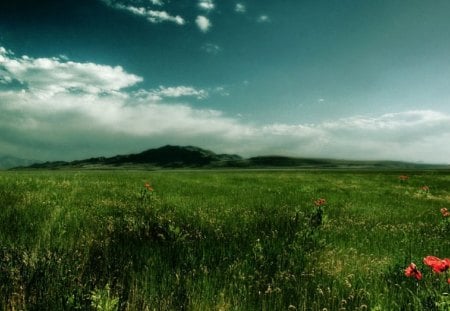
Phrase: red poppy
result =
(412, 272)
(445, 212)
(425, 188)
(320, 202)
(403, 177)
(149, 188)
(438, 265)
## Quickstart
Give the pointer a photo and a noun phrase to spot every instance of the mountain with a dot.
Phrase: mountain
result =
(163, 157)
(173, 156)
(194, 157)
(281, 161)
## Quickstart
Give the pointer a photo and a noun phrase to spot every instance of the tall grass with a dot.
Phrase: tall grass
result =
(225, 240)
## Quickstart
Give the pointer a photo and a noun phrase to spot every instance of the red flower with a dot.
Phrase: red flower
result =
(149, 188)
(425, 188)
(320, 202)
(438, 265)
(412, 272)
(445, 212)
(403, 177)
(448, 281)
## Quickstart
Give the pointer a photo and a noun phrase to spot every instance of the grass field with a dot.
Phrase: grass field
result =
(222, 240)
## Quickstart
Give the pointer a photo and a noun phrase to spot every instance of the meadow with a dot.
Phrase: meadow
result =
(223, 240)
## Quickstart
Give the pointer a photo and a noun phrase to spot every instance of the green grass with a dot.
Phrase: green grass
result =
(221, 240)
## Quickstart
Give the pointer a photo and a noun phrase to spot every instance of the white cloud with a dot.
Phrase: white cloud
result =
(207, 5)
(222, 91)
(411, 120)
(172, 92)
(46, 77)
(181, 91)
(157, 2)
(152, 16)
(240, 8)
(159, 16)
(203, 23)
(263, 19)
(211, 48)
(88, 110)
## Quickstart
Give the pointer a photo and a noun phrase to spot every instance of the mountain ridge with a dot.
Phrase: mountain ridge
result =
(7, 162)
(172, 157)
(167, 156)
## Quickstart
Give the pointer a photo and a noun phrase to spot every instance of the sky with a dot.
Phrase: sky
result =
(346, 79)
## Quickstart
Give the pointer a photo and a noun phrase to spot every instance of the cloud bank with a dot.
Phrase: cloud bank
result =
(54, 108)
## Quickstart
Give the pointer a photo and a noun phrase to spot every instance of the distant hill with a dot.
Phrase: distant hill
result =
(282, 161)
(194, 157)
(173, 156)
(163, 157)
(7, 162)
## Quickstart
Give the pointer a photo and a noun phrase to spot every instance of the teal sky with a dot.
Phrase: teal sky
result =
(336, 79)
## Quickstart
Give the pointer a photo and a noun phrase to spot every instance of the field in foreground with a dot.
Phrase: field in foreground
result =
(230, 240)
